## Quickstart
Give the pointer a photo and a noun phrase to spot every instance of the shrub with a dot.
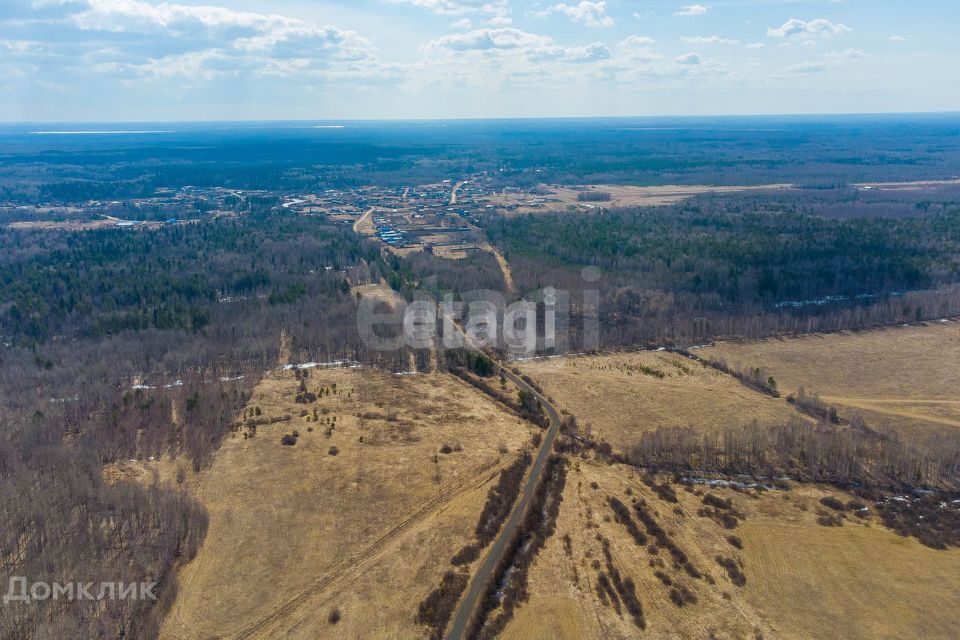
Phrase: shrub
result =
(435, 610)
(334, 616)
(833, 503)
(466, 555)
(826, 519)
(734, 572)
(288, 440)
(622, 515)
(333, 451)
(717, 503)
(735, 541)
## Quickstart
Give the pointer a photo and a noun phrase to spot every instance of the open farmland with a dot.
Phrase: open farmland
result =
(617, 397)
(358, 515)
(551, 198)
(903, 377)
(802, 580)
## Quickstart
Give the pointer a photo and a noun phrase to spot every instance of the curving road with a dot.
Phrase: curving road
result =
(478, 585)
(361, 220)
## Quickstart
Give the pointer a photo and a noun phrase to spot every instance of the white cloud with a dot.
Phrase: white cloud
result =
(847, 55)
(518, 44)
(459, 7)
(136, 15)
(638, 49)
(755, 45)
(688, 59)
(20, 46)
(820, 27)
(637, 42)
(804, 69)
(592, 14)
(491, 39)
(823, 64)
(463, 23)
(588, 53)
(898, 39)
(708, 40)
(197, 42)
(691, 10)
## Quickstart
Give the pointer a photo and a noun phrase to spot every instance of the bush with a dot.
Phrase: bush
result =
(833, 503)
(288, 440)
(500, 499)
(735, 541)
(435, 610)
(334, 616)
(717, 503)
(829, 521)
(734, 572)
(680, 595)
(333, 451)
(622, 515)
(466, 555)
(934, 519)
(446, 449)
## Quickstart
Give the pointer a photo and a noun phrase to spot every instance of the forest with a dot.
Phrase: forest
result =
(743, 266)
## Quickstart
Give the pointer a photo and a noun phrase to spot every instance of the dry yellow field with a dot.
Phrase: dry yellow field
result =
(296, 532)
(555, 198)
(613, 397)
(903, 377)
(803, 580)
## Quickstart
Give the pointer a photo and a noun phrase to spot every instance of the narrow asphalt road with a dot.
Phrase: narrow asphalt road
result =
(477, 587)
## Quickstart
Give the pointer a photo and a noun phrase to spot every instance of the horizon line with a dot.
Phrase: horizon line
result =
(845, 114)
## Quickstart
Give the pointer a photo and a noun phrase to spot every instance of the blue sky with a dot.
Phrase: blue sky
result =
(145, 60)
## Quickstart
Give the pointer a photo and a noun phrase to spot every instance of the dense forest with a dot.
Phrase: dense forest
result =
(105, 281)
(727, 265)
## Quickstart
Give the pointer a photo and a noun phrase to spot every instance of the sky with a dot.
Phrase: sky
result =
(179, 60)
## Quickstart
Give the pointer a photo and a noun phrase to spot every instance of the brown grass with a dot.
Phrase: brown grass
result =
(368, 531)
(567, 197)
(612, 395)
(904, 377)
(803, 580)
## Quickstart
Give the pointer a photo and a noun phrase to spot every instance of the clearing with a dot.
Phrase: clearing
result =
(360, 515)
(903, 377)
(617, 397)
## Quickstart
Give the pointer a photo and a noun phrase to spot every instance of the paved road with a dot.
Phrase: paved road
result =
(478, 585)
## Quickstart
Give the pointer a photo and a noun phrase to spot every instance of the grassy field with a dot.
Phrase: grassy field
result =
(296, 532)
(903, 377)
(620, 396)
(803, 580)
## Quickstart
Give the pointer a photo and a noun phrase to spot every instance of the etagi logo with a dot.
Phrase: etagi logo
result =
(483, 318)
